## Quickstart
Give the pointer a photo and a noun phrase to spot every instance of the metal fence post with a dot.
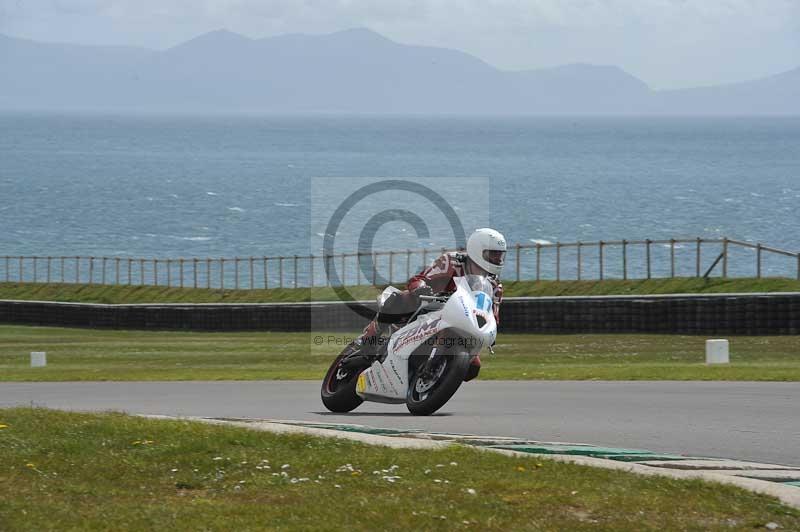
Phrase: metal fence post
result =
(697, 257)
(116, 270)
(517, 260)
(49, 260)
(129, 271)
(63, 260)
(169, 272)
(91, 270)
(280, 272)
(34, 269)
(758, 260)
(221, 273)
(103, 276)
(236, 273)
(155, 272)
(558, 261)
(194, 272)
(180, 265)
(266, 274)
(311, 269)
(579, 260)
(295, 271)
(624, 260)
(672, 257)
(538, 262)
(141, 272)
(77, 270)
(724, 257)
(208, 273)
(21, 267)
(252, 274)
(647, 244)
(600, 255)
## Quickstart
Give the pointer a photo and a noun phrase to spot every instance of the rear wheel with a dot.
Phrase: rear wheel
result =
(339, 386)
(435, 382)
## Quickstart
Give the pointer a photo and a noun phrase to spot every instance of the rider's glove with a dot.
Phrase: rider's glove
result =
(423, 290)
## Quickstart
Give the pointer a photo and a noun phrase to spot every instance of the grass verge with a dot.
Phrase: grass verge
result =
(114, 472)
(85, 293)
(85, 354)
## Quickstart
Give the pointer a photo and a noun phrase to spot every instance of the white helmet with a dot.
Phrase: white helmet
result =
(487, 248)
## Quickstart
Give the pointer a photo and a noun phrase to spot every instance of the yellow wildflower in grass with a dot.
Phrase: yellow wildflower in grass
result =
(520, 468)
(30, 465)
(3, 426)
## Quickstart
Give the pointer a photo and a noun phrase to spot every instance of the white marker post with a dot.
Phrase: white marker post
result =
(38, 359)
(717, 352)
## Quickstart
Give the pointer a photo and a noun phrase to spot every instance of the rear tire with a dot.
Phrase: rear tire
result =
(427, 402)
(338, 391)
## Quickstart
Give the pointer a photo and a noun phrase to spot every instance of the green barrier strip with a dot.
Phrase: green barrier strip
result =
(643, 457)
(792, 483)
(625, 455)
(351, 428)
(611, 453)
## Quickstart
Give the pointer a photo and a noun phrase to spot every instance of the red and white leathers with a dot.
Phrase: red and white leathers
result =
(439, 278)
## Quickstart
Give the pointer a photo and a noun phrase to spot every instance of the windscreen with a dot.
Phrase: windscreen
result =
(480, 283)
(482, 290)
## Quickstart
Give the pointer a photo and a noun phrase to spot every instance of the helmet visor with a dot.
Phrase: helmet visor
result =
(494, 256)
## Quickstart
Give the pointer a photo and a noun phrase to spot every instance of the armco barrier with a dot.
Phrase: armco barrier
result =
(755, 314)
(194, 317)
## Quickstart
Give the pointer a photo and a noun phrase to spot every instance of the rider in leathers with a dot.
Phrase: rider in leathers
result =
(485, 255)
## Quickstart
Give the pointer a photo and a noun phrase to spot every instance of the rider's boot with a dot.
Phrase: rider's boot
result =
(474, 368)
(370, 337)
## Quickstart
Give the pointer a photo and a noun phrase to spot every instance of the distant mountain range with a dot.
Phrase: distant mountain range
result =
(355, 71)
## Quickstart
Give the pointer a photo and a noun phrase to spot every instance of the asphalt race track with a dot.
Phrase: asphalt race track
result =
(741, 420)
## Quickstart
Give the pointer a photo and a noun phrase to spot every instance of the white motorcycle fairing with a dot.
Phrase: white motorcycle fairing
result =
(468, 317)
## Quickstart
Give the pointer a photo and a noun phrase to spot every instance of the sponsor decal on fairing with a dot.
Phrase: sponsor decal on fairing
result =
(417, 333)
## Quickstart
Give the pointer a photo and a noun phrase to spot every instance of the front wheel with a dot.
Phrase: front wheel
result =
(339, 387)
(435, 383)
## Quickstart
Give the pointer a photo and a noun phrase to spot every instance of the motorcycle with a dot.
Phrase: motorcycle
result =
(424, 362)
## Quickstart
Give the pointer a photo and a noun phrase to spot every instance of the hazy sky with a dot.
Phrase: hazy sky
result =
(666, 43)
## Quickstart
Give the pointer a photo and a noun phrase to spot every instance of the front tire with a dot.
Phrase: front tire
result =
(429, 391)
(338, 391)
